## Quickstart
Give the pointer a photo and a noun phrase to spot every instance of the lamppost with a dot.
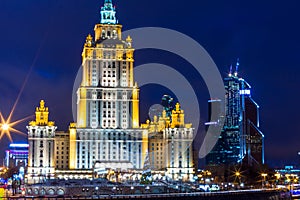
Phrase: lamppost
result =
(278, 176)
(263, 180)
(97, 191)
(291, 179)
(147, 189)
(132, 189)
(238, 176)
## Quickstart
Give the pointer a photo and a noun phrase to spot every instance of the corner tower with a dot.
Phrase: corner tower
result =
(41, 136)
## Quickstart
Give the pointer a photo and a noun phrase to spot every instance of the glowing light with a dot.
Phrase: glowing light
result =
(245, 92)
(7, 126)
(19, 145)
(277, 175)
(264, 175)
(211, 123)
(108, 14)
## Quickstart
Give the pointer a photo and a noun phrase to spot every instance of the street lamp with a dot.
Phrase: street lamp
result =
(291, 179)
(263, 180)
(97, 191)
(238, 176)
(278, 176)
(147, 189)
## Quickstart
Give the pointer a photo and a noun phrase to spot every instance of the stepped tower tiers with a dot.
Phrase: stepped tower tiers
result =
(41, 136)
(108, 98)
(108, 95)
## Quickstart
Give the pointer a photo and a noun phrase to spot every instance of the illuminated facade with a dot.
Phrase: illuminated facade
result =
(61, 150)
(170, 145)
(107, 135)
(240, 140)
(156, 142)
(108, 100)
(41, 136)
(16, 156)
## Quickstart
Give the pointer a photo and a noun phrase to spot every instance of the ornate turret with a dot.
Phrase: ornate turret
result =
(42, 116)
(176, 120)
(108, 13)
(89, 41)
(177, 117)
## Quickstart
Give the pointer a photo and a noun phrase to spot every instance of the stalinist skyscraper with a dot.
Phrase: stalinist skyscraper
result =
(108, 101)
(107, 136)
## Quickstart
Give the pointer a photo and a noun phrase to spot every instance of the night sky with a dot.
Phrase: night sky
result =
(43, 40)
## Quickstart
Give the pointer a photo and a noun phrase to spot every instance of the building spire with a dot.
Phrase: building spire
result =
(230, 71)
(108, 13)
(237, 67)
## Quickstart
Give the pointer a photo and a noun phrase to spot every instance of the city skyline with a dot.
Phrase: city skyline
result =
(54, 71)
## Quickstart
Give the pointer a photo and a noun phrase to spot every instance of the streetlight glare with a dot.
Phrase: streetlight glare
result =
(264, 175)
(5, 127)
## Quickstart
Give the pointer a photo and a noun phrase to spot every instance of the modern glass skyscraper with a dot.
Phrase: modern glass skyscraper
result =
(241, 138)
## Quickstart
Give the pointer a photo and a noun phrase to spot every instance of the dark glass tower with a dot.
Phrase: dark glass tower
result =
(240, 139)
(255, 138)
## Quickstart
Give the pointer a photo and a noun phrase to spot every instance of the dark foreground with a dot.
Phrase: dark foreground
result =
(232, 195)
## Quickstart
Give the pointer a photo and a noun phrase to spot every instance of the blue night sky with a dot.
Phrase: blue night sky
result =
(43, 40)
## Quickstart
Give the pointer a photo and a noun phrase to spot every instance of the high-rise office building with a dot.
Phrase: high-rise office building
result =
(254, 138)
(240, 139)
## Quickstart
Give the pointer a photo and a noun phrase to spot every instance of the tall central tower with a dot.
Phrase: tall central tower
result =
(108, 96)
(108, 99)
